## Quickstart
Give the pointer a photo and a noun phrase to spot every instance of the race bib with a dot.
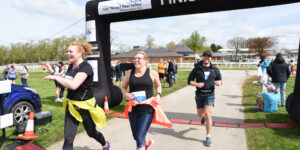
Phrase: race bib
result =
(139, 96)
(206, 74)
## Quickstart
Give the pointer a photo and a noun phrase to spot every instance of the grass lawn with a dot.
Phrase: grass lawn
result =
(54, 131)
(269, 138)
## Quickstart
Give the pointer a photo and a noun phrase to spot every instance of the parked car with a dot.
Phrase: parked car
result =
(21, 101)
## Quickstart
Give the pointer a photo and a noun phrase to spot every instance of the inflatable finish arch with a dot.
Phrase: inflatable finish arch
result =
(100, 13)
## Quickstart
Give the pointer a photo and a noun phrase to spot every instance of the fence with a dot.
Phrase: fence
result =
(35, 67)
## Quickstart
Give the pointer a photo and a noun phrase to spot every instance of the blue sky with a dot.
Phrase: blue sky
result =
(25, 20)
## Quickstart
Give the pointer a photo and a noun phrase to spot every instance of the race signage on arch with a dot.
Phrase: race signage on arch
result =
(118, 6)
(172, 2)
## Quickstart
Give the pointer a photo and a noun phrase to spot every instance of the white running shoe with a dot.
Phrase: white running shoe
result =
(58, 100)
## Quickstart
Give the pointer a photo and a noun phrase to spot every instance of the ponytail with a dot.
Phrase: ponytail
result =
(84, 47)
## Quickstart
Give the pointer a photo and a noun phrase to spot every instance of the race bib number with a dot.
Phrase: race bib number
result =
(139, 96)
(206, 74)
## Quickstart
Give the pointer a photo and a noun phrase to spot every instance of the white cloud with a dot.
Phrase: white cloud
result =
(24, 20)
(129, 27)
(56, 8)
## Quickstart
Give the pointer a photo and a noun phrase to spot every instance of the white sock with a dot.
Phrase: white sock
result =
(208, 135)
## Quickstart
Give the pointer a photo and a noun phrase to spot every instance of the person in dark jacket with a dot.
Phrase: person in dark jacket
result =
(118, 74)
(170, 73)
(279, 72)
(207, 77)
(175, 70)
(5, 72)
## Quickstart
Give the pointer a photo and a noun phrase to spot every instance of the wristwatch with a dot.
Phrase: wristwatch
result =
(158, 94)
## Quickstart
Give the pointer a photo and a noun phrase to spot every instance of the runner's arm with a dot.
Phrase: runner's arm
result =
(125, 84)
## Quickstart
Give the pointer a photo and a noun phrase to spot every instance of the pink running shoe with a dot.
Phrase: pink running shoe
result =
(149, 144)
(107, 145)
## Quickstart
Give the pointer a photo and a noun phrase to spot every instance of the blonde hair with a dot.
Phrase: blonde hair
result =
(143, 53)
(83, 47)
(272, 88)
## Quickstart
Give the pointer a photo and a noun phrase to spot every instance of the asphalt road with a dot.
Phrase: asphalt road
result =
(181, 105)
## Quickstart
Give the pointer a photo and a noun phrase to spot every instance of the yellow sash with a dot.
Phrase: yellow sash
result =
(96, 113)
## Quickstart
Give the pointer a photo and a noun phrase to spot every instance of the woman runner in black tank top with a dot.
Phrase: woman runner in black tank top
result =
(143, 83)
(140, 81)
(80, 99)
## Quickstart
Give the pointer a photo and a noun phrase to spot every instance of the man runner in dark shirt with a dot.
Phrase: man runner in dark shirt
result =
(207, 76)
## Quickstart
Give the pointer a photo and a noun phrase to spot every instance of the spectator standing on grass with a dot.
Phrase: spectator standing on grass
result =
(280, 73)
(292, 66)
(80, 104)
(12, 74)
(170, 73)
(118, 74)
(175, 70)
(161, 71)
(59, 69)
(24, 75)
(196, 62)
(5, 72)
(264, 63)
(207, 77)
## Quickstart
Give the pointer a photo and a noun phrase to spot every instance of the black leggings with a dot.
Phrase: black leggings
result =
(61, 94)
(71, 125)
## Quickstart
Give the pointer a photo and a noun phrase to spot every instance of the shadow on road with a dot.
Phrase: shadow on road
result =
(190, 116)
(172, 132)
(85, 148)
(233, 96)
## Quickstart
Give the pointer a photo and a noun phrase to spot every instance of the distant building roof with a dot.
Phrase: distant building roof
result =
(138, 48)
(155, 50)
(159, 54)
(232, 50)
(123, 55)
(181, 48)
(164, 54)
(217, 55)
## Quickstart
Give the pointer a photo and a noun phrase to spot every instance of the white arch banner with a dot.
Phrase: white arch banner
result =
(118, 6)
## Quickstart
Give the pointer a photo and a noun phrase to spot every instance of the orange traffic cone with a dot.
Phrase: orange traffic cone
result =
(106, 107)
(29, 133)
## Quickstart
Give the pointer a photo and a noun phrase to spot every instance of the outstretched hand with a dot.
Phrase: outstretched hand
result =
(50, 77)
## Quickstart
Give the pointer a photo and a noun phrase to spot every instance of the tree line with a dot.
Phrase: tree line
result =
(196, 42)
(34, 52)
(55, 50)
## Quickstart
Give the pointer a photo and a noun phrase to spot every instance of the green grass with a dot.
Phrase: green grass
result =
(54, 131)
(181, 82)
(269, 138)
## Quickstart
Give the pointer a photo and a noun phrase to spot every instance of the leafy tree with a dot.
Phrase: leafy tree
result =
(171, 46)
(219, 47)
(3, 56)
(149, 41)
(37, 51)
(205, 48)
(213, 47)
(195, 42)
(237, 43)
(260, 45)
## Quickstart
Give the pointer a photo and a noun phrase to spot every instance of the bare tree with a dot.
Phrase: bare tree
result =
(260, 45)
(237, 43)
